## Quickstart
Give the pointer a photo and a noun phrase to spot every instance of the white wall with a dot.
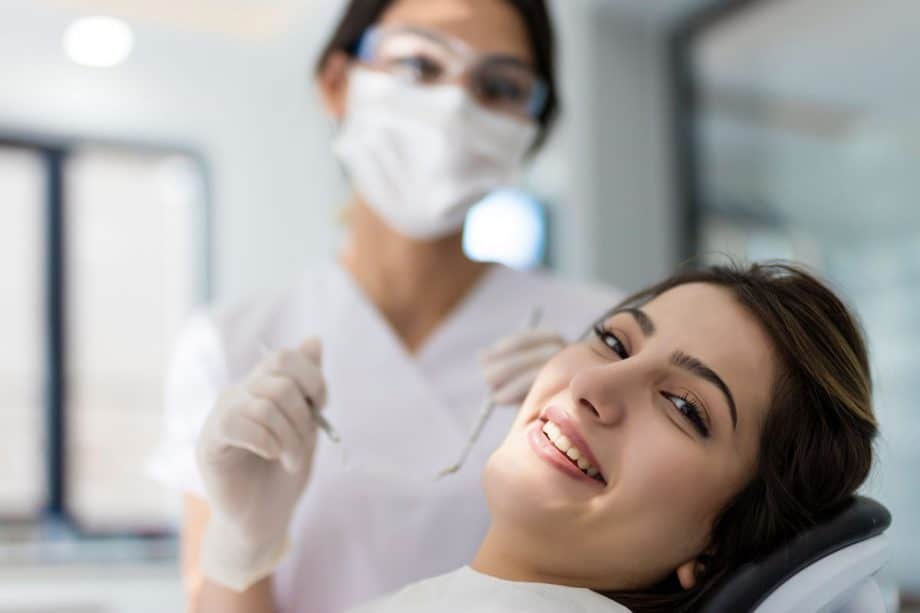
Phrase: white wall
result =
(607, 171)
(249, 108)
(634, 216)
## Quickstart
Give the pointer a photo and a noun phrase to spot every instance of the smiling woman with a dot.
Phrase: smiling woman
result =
(702, 423)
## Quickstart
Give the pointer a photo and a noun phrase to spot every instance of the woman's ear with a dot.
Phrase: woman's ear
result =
(332, 82)
(689, 572)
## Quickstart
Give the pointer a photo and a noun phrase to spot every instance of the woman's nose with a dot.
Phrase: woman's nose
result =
(584, 403)
(600, 393)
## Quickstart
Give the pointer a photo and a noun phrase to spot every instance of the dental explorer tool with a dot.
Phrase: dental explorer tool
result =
(318, 417)
(488, 407)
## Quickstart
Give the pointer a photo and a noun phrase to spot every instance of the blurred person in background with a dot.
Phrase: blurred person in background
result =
(438, 102)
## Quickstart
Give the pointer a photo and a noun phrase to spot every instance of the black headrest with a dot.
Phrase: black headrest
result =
(746, 587)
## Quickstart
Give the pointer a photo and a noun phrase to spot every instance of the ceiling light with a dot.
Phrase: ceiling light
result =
(100, 42)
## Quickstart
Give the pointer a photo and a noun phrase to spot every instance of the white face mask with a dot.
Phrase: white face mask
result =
(422, 155)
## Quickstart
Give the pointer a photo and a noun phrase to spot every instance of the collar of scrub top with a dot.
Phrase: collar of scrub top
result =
(467, 59)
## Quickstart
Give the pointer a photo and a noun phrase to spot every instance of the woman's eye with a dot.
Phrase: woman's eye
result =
(499, 89)
(690, 411)
(419, 67)
(611, 341)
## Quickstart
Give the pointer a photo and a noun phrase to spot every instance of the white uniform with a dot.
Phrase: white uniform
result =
(372, 519)
(467, 591)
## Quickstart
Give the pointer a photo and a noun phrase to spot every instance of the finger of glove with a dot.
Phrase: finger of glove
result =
(286, 394)
(499, 372)
(273, 419)
(300, 369)
(520, 341)
(312, 348)
(516, 390)
(243, 432)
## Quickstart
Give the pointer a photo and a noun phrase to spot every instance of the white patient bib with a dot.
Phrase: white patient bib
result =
(467, 591)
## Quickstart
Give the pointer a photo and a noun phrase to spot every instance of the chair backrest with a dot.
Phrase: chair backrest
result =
(851, 531)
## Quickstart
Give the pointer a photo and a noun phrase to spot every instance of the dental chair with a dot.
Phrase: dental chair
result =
(828, 569)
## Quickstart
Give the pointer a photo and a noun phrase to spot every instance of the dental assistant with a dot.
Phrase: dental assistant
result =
(438, 102)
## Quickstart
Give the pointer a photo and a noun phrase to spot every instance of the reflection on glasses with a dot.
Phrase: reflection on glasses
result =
(498, 82)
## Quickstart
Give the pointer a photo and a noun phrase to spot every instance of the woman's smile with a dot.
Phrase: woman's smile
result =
(553, 446)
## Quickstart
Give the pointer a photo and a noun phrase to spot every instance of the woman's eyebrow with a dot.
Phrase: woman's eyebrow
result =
(698, 368)
(645, 322)
(686, 362)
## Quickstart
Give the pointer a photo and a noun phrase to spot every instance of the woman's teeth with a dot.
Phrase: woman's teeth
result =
(554, 433)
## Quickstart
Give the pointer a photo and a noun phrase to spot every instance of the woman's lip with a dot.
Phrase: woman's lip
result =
(567, 426)
(545, 449)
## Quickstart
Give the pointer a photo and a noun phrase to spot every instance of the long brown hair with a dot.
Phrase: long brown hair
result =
(816, 444)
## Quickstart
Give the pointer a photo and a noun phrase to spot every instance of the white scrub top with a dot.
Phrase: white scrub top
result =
(372, 519)
(467, 591)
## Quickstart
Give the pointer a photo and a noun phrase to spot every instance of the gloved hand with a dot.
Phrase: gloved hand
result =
(511, 365)
(255, 453)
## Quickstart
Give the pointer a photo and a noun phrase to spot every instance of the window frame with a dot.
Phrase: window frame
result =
(685, 104)
(55, 152)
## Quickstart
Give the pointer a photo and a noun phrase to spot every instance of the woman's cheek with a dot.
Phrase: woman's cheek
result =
(687, 484)
(532, 405)
(552, 379)
(666, 466)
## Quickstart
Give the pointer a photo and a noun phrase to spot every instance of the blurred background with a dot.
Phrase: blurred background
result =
(158, 160)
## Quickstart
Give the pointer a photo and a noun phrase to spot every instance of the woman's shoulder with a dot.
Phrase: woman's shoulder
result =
(261, 304)
(238, 330)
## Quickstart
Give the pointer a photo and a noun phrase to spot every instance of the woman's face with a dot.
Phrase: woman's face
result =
(665, 406)
(486, 26)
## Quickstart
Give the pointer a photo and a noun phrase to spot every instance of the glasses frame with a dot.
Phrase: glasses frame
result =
(468, 60)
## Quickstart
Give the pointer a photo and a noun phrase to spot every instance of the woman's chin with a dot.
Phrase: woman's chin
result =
(520, 484)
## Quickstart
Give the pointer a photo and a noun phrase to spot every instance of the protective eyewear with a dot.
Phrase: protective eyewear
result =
(498, 82)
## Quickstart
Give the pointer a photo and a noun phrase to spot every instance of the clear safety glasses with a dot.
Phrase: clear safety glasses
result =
(499, 82)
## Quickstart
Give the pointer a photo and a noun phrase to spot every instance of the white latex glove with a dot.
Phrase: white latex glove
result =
(255, 453)
(511, 365)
